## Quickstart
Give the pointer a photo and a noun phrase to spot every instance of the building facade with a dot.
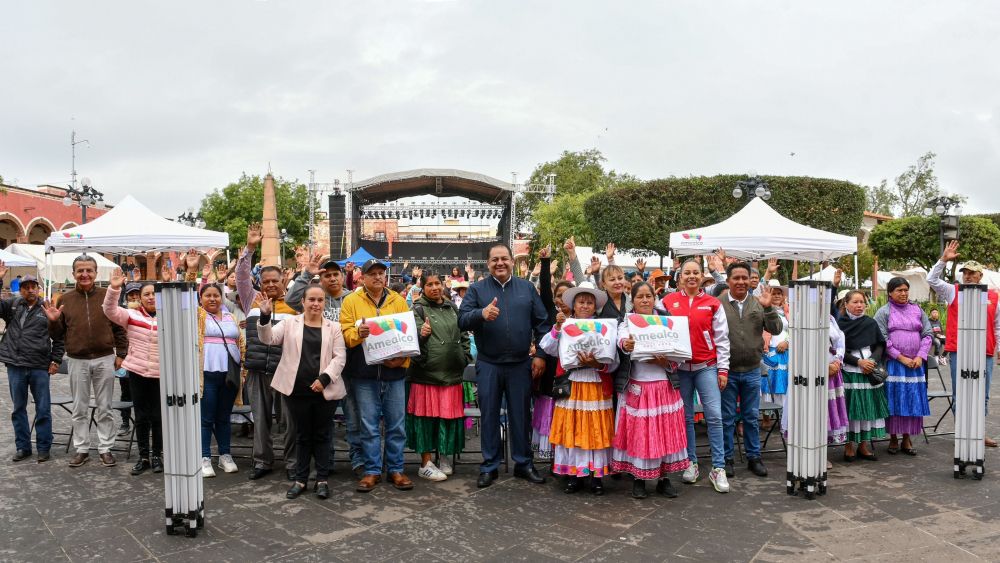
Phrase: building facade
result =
(31, 215)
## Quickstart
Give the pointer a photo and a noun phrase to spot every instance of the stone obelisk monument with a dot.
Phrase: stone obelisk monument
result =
(270, 249)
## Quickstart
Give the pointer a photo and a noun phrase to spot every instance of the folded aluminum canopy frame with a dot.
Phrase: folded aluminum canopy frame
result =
(970, 385)
(807, 400)
(180, 383)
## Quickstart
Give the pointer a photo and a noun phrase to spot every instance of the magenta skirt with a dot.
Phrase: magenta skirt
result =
(650, 421)
(436, 401)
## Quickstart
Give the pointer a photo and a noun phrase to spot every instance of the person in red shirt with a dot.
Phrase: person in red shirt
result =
(708, 370)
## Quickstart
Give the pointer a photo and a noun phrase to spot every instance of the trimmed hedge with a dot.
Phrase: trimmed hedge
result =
(642, 217)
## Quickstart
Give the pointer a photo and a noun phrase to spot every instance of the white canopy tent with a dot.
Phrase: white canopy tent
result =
(58, 267)
(12, 260)
(131, 228)
(623, 259)
(758, 232)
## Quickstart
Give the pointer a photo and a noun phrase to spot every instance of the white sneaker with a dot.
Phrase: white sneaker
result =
(690, 474)
(431, 472)
(718, 479)
(206, 467)
(227, 464)
(444, 464)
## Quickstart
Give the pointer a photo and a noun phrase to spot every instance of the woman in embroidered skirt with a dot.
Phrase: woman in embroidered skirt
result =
(650, 440)
(867, 407)
(837, 421)
(434, 412)
(583, 424)
(908, 336)
(775, 384)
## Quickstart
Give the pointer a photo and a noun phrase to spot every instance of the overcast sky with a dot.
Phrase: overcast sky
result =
(178, 98)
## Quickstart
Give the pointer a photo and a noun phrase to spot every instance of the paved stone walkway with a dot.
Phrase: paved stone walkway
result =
(898, 508)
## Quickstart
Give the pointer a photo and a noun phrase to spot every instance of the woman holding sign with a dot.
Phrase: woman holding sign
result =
(435, 410)
(582, 422)
(650, 437)
(309, 376)
(708, 370)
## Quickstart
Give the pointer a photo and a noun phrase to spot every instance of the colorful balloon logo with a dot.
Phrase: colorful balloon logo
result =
(384, 325)
(643, 321)
(585, 326)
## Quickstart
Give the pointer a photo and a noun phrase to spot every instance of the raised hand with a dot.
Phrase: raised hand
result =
(570, 246)
(255, 234)
(545, 251)
(312, 267)
(266, 306)
(425, 329)
(191, 260)
(716, 261)
(537, 270)
(766, 297)
(206, 270)
(595, 265)
(553, 267)
(3, 269)
(772, 266)
(609, 252)
(363, 329)
(838, 276)
(950, 252)
(117, 279)
(221, 272)
(349, 267)
(51, 311)
(491, 311)
(640, 265)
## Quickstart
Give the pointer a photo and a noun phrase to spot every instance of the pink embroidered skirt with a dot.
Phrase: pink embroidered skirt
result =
(437, 401)
(650, 439)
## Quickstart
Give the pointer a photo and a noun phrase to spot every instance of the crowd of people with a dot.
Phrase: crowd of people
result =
(290, 346)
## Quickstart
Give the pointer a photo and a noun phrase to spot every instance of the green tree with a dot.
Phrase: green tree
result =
(641, 217)
(881, 199)
(560, 219)
(918, 239)
(576, 172)
(916, 185)
(866, 263)
(234, 207)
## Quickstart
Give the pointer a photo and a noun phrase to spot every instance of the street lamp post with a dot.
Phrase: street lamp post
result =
(949, 209)
(191, 219)
(85, 197)
(754, 187)
(284, 238)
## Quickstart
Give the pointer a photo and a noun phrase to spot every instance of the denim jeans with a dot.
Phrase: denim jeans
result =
(216, 407)
(744, 385)
(37, 380)
(352, 420)
(953, 361)
(706, 381)
(384, 400)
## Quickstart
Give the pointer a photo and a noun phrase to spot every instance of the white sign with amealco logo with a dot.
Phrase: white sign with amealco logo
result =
(596, 336)
(656, 335)
(390, 337)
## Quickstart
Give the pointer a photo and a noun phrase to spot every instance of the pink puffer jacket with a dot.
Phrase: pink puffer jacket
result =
(143, 348)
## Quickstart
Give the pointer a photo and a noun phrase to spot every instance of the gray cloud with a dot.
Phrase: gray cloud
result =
(179, 98)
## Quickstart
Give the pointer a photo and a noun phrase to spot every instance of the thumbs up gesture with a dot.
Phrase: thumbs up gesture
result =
(425, 329)
(491, 311)
(363, 329)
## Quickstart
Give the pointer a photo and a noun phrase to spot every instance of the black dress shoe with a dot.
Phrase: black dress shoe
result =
(295, 490)
(730, 469)
(323, 491)
(140, 466)
(43, 457)
(664, 488)
(597, 486)
(572, 485)
(756, 466)
(486, 479)
(157, 464)
(21, 455)
(258, 472)
(529, 474)
(639, 489)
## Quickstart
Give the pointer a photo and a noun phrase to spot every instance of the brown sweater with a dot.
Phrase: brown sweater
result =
(88, 333)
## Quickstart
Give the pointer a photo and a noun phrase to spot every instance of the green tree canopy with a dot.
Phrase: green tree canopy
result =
(235, 206)
(918, 239)
(641, 217)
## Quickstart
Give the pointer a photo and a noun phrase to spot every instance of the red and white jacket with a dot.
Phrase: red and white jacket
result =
(707, 323)
(143, 345)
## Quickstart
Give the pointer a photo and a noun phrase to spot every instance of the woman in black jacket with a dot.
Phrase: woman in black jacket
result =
(867, 405)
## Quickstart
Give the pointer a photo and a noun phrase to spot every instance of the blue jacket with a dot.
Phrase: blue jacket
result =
(522, 317)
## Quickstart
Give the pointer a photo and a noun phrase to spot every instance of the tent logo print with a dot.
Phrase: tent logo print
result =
(643, 321)
(688, 236)
(72, 235)
(385, 325)
(582, 327)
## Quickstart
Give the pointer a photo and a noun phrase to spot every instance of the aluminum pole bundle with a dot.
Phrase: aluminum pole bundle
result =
(807, 399)
(180, 384)
(970, 385)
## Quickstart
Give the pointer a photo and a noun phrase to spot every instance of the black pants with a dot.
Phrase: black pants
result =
(145, 393)
(126, 396)
(311, 415)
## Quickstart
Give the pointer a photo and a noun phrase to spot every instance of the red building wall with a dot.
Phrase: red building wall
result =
(29, 216)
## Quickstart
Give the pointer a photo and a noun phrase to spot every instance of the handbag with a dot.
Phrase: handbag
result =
(877, 376)
(232, 366)
(562, 387)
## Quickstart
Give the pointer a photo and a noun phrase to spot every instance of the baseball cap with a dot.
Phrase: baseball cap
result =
(657, 273)
(132, 286)
(972, 266)
(28, 278)
(371, 263)
(331, 265)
